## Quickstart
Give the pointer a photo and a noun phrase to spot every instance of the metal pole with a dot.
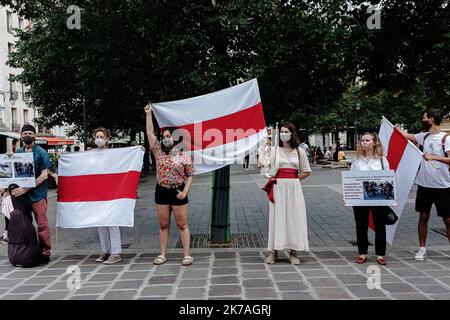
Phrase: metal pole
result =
(84, 124)
(220, 215)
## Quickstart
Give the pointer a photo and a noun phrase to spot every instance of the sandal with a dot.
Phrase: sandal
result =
(159, 260)
(361, 259)
(187, 261)
(381, 261)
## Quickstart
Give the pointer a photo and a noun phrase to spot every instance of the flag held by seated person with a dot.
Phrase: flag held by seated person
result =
(217, 128)
(98, 188)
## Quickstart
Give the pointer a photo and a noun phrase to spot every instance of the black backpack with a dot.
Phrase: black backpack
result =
(23, 245)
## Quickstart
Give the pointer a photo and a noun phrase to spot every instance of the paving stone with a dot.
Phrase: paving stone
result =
(421, 281)
(287, 276)
(195, 274)
(111, 269)
(140, 267)
(162, 279)
(157, 291)
(257, 283)
(20, 274)
(129, 284)
(429, 266)
(120, 295)
(192, 283)
(249, 253)
(255, 275)
(167, 270)
(287, 268)
(85, 297)
(292, 286)
(258, 293)
(296, 296)
(433, 289)
(352, 279)
(134, 275)
(225, 298)
(84, 290)
(312, 266)
(41, 280)
(334, 262)
(191, 293)
(252, 260)
(324, 255)
(398, 288)
(54, 295)
(440, 296)
(52, 272)
(224, 255)
(17, 297)
(332, 293)
(224, 290)
(223, 271)
(76, 257)
(9, 283)
(61, 285)
(225, 263)
(224, 280)
(323, 282)
(252, 266)
(409, 296)
(409, 273)
(315, 273)
(344, 270)
(362, 291)
(28, 288)
(106, 277)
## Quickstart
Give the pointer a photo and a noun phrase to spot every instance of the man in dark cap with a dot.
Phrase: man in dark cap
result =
(37, 196)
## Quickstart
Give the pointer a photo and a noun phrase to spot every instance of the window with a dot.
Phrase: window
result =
(9, 24)
(14, 115)
(26, 118)
(11, 84)
(10, 47)
(20, 23)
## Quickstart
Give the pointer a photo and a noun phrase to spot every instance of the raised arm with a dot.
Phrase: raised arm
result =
(409, 136)
(149, 124)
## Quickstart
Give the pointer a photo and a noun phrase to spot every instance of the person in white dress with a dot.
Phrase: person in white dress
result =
(288, 227)
(369, 156)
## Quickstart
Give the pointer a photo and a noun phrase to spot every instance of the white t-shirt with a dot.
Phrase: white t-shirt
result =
(373, 163)
(428, 175)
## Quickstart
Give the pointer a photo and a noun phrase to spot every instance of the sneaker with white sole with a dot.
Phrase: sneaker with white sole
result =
(114, 258)
(103, 257)
(421, 255)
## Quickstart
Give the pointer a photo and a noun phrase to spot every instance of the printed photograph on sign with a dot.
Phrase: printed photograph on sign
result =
(23, 169)
(369, 188)
(374, 190)
(17, 169)
(6, 170)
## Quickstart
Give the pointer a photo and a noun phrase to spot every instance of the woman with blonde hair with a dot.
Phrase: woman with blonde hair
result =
(369, 156)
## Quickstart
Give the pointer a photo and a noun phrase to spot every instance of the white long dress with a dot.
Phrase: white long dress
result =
(288, 228)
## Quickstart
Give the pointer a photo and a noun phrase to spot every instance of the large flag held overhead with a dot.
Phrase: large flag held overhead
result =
(217, 128)
(404, 158)
(98, 187)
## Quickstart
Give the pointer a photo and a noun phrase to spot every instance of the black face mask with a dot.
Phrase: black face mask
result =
(28, 140)
(425, 125)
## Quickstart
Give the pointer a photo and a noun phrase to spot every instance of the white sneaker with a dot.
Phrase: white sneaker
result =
(421, 255)
(114, 258)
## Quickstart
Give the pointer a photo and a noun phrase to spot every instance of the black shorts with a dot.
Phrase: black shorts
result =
(440, 197)
(166, 196)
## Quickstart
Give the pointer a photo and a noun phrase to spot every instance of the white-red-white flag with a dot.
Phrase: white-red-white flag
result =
(404, 158)
(217, 128)
(98, 188)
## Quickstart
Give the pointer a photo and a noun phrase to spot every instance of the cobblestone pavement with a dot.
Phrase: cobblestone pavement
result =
(327, 272)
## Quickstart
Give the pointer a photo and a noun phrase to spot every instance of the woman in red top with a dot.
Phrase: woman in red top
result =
(174, 172)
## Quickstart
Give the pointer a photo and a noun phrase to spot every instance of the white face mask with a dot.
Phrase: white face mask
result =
(285, 136)
(100, 142)
(167, 141)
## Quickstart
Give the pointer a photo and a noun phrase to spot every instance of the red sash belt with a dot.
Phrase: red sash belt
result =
(281, 174)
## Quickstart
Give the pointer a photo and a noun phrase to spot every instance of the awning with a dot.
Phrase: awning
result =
(12, 135)
(54, 141)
